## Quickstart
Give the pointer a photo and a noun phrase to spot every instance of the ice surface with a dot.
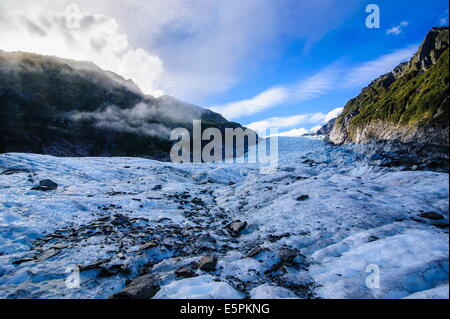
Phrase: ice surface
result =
(201, 287)
(105, 209)
(266, 291)
(440, 292)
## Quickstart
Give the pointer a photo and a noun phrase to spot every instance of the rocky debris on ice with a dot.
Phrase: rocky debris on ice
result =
(254, 252)
(143, 287)
(287, 255)
(207, 263)
(237, 226)
(148, 245)
(185, 272)
(431, 215)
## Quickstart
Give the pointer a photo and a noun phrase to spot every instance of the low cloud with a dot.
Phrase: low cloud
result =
(294, 132)
(133, 120)
(289, 121)
(292, 121)
(143, 118)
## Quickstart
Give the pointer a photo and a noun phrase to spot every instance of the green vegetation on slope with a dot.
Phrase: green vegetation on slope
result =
(412, 100)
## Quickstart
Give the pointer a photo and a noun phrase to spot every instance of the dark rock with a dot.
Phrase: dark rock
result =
(14, 171)
(302, 197)
(46, 185)
(22, 260)
(148, 245)
(441, 225)
(207, 263)
(274, 238)
(287, 255)
(114, 270)
(237, 226)
(431, 215)
(48, 254)
(157, 187)
(185, 272)
(255, 251)
(94, 265)
(143, 287)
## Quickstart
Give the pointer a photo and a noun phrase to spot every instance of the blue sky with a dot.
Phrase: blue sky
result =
(283, 63)
(344, 49)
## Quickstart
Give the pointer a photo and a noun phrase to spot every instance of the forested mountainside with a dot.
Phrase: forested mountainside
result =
(61, 107)
(408, 105)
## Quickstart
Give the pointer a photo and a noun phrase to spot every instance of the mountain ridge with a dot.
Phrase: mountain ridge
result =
(50, 105)
(408, 104)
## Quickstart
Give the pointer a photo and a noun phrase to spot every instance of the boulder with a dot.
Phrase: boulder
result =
(255, 251)
(301, 198)
(287, 255)
(237, 226)
(143, 287)
(148, 245)
(207, 263)
(185, 272)
(46, 185)
(431, 215)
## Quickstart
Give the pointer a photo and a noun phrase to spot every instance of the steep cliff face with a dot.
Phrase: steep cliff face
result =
(409, 104)
(60, 107)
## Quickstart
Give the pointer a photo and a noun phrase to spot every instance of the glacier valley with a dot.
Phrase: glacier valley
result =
(310, 230)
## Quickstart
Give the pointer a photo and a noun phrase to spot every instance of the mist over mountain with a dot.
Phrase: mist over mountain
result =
(61, 107)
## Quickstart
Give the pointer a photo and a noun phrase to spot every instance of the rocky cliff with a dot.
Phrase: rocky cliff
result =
(60, 107)
(410, 104)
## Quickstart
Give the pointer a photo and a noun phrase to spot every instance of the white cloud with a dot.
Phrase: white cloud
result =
(296, 132)
(398, 29)
(321, 83)
(444, 20)
(73, 34)
(333, 114)
(315, 128)
(291, 121)
(367, 72)
(316, 85)
(257, 104)
(194, 48)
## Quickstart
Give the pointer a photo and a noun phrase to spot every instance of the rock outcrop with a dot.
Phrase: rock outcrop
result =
(410, 104)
